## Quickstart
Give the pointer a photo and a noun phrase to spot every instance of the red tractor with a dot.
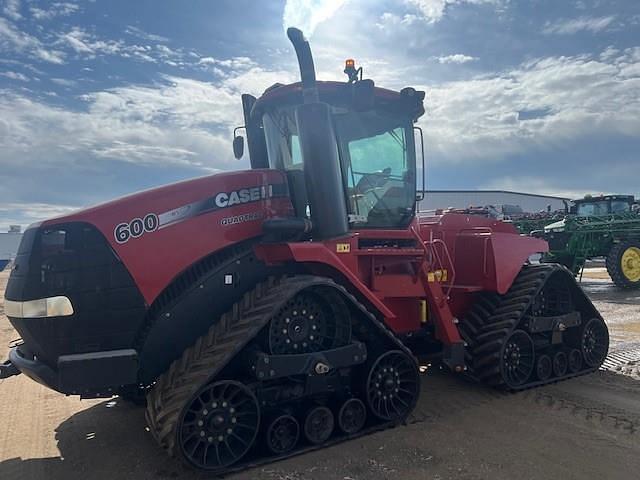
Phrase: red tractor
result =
(267, 312)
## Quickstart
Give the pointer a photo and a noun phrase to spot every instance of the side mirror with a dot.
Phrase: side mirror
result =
(238, 146)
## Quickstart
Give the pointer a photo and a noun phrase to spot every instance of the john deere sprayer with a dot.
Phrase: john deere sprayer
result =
(605, 226)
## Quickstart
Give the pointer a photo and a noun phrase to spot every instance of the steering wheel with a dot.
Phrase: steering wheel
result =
(371, 181)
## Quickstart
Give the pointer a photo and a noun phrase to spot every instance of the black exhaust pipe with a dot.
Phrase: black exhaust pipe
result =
(323, 178)
(305, 62)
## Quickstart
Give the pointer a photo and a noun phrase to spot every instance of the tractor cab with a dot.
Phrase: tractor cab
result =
(375, 149)
(603, 205)
(348, 150)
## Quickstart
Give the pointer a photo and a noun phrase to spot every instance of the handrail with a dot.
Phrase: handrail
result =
(431, 254)
(437, 241)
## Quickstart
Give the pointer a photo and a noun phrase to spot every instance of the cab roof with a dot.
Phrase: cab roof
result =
(600, 198)
(407, 102)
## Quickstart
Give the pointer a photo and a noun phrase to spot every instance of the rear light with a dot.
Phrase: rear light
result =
(44, 307)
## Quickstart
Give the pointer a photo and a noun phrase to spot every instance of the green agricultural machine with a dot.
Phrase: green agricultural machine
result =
(605, 226)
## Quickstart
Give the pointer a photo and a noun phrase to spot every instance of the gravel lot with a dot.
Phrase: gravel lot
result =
(585, 428)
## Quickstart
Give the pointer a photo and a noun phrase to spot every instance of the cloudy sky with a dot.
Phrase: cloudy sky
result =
(103, 98)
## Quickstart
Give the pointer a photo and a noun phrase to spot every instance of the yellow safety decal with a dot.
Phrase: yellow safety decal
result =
(441, 275)
(343, 247)
(437, 276)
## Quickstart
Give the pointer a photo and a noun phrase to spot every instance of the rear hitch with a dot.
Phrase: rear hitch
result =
(8, 369)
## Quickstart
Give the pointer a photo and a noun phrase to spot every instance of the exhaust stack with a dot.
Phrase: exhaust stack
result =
(305, 62)
(323, 177)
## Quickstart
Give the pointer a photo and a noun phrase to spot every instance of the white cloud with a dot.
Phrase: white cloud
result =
(178, 121)
(128, 125)
(581, 24)
(137, 32)
(580, 97)
(458, 58)
(234, 63)
(64, 82)
(308, 14)
(56, 9)
(390, 20)
(78, 40)
(15, 76)
(12, 40)
(433, 10)
(27, 213)
(180, 102)
(136, 153)
(89, 46)
(12, 9)
(609, 53)
(257, 79)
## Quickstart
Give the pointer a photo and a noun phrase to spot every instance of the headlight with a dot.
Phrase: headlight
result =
(41, 308)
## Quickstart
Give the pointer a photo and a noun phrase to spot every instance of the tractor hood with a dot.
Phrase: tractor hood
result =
(160, 232)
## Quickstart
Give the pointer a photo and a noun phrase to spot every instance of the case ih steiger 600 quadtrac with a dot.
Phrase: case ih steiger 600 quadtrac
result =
(271, 311)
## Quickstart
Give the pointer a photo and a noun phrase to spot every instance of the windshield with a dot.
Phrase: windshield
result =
(619, 206)
(593, 208)
(377, 156)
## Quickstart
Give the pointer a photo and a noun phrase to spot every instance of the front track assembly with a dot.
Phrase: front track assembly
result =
(296, 365)
(544, 329)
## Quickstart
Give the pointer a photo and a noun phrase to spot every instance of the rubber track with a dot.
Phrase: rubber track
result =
(200, 363)
(494, 317)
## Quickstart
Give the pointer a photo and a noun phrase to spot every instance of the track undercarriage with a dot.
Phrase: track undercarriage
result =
(544, 329)
(299, 364)
(296, 365)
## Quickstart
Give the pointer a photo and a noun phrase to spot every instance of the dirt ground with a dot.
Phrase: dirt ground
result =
(585, 428)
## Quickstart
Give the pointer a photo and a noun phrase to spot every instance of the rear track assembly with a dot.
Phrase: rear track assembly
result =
(544, 329)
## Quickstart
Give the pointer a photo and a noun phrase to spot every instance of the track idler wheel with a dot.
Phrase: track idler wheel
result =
(544, 367)
(575, 360)
(219, 425)
(393, 386)
(282, 434)
(352, 416)
(517, 358)
(318, 425)
(594, 342)
(560, 364)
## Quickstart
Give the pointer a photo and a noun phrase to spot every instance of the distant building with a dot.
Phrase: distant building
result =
(528, 202)
(9, 243)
